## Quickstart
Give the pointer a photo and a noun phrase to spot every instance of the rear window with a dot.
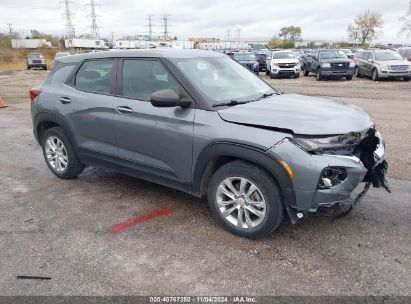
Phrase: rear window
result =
(95, 76)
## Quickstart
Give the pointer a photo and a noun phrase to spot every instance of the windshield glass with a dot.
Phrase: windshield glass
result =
(283, 55)
(244, 57)
(385, 56)
(222, 79)
(332, 54)
(34, 56)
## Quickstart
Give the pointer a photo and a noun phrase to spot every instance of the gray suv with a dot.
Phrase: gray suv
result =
(199, 122)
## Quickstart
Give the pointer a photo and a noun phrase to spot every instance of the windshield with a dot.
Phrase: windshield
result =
(244, 57)
(385, 56)
(222, 79)
(283, 55)
(34, 56)
(332, 54)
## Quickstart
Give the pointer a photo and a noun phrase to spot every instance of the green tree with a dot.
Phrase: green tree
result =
(291, 33)
(365, 27)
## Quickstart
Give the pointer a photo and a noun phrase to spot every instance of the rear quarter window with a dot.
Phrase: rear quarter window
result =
(95, 76)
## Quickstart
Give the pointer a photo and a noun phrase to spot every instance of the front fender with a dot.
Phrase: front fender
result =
(240, 151)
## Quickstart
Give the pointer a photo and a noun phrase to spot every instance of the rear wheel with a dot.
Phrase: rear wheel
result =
(245, 200)
(60, 155)
(306, 72)
(374, 75)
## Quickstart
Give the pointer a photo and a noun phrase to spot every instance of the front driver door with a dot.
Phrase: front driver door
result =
(155, 141)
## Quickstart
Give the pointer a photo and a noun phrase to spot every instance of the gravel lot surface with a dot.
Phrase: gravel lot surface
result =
(61, 229)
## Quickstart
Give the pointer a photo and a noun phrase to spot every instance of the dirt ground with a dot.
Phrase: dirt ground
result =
(61, 229)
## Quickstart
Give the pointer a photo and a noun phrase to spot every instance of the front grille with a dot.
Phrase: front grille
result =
(399, 67)
(286, 65)
(340, 65)
(36, 61)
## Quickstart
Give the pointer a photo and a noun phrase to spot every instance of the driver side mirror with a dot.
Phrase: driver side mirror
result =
(167, 99)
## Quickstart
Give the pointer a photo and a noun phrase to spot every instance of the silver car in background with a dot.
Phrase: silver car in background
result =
(379, 64)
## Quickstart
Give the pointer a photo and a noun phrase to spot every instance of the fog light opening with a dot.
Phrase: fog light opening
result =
(331, 177)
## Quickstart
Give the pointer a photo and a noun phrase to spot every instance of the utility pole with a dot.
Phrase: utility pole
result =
(165, 26)
(150, 25)
(70, 33)
(10, 28)
(93, 27)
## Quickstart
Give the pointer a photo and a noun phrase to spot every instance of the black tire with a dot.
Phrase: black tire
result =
(297, 75)
(74, 166)
(357, 73)
(319, 77)
(374, 75)
(348, 77)
(267, 72)
(306, 72)
(406, 78)
(272, 76)
(265, 183)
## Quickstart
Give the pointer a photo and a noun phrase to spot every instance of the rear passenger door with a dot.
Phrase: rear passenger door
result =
(154, 141)
(87, 103)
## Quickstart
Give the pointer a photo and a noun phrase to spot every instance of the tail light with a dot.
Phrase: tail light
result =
(409, 59)
(34, 92)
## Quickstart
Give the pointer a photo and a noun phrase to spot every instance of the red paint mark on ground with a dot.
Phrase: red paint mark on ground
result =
(140, 219)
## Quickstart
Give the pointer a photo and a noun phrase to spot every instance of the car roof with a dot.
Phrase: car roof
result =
(145, 53)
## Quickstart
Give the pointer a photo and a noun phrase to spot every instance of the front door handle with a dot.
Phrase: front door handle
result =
(124, 110)
(65, 100)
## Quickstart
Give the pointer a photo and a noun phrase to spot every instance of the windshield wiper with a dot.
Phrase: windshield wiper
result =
(231, 103)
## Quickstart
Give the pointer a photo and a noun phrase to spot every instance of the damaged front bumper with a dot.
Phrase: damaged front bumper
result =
(326, 179)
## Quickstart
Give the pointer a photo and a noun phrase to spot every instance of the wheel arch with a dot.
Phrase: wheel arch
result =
(44, 121)
(217, 154)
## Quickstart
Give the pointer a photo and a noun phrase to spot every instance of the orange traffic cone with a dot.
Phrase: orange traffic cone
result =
(2, 103)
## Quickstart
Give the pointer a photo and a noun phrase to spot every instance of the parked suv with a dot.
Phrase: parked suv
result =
(330, 63)
(379, 64)
(199, 122)
(247, 60)
(283, 63)
(262, 61)
(36, 60)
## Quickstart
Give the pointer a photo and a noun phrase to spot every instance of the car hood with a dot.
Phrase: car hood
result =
(394, 62)
(289, 60)
(332, 60)
(300, 114)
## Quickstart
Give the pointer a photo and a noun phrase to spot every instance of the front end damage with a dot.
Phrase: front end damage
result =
(326, 170)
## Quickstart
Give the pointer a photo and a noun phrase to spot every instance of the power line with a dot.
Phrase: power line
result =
(94, 27)
(165, 26)
(10, 28)
(70, 33)
(150, 25)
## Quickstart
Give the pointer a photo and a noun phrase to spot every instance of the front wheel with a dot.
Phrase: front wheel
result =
(406, 79)
(319, 77)
(374, 75)
(60, 155)
(245, 199)
(349, 77)
(306, 72)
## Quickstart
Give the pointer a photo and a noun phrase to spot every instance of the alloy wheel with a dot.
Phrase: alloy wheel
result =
(56, 154)
(241, 202)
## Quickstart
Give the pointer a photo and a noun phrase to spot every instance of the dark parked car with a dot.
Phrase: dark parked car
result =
(199, 122)
(248, 60)
(379, 64)
(262, 61)
(330, 63)
(36, 60)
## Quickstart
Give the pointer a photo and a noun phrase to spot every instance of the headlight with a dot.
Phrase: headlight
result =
(326, 65)
(384, 67)
(352, 64)
(297, 65)
(274, 64)
(312, 144)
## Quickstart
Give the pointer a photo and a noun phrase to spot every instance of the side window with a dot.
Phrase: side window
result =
(95, 76)
(365, 56)
(141, 78)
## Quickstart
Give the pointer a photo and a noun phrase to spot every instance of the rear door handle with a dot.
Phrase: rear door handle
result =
(65, 100)
(124, 110)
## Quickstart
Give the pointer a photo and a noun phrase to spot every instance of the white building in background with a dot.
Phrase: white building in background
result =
(29, 43)
(85, 43)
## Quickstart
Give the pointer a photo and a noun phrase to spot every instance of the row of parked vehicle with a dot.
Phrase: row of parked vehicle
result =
(329, 63)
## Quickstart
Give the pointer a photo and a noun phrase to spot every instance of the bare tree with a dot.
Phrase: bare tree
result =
(406, 22)
(365, 27)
